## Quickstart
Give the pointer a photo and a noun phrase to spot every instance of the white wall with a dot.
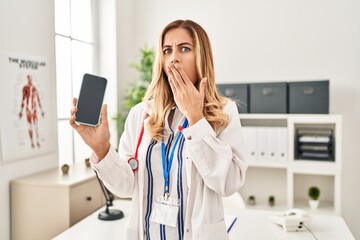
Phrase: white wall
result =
(26, 28)
(127, 50)
(278, 40)
(107, 59)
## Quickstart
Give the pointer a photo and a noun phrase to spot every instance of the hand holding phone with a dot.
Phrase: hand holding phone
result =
(97, 138)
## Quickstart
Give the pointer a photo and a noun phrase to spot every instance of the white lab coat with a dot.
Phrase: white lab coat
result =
(215, 168)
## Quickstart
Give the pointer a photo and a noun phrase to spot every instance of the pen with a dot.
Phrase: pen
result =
(232, 224)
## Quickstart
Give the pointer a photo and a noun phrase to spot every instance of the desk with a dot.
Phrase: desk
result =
(47, 203)
(250, 225)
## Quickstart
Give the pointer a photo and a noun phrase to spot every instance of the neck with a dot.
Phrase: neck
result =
(171, 116)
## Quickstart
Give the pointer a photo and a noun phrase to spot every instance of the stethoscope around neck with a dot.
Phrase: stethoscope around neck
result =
(133, 161)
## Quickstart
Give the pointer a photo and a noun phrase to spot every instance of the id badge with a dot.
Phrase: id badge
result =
(165, 211)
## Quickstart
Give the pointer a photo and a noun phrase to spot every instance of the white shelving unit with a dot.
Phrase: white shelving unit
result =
(288, 180)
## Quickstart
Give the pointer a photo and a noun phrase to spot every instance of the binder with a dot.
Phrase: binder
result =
(272, 142)
(249, 134)
(282, 146)
(261, 147)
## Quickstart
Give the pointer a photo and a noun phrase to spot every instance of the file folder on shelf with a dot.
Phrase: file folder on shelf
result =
(314, 144)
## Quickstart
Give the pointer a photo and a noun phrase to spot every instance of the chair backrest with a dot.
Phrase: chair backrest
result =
(234, 201)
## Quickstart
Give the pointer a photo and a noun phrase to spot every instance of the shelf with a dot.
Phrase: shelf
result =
(329, 191)
(268, 165)
(316, 118)
(325, 207)
(313, 118)
(314, 167)
(263, 116)
(264, 182)
(289, 179)
(271, 121)
(280, 207)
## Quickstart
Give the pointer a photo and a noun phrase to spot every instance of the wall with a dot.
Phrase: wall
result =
(127, 51)
(107, 40)
(26, 27)
(276, 40)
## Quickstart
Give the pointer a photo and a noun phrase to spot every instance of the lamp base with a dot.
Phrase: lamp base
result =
(111, 214)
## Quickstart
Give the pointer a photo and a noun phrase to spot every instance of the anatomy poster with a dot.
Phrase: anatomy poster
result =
(26, 113)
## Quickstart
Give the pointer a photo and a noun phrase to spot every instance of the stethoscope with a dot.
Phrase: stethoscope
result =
(133, 161)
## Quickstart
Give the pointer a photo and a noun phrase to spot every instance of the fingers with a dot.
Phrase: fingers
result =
(73, 116)
(74, 109)
(175, 72)
(72, 122)
(172, 86)
(172, 80)
(179, 79)
(104, 115)
(183, 75)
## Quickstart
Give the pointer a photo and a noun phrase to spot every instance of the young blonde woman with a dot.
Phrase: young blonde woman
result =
(182, 147)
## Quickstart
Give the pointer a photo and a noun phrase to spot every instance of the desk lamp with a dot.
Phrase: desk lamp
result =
(108, 214)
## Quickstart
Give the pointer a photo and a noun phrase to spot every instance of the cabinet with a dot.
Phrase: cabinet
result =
(45, 204)
(282, 172)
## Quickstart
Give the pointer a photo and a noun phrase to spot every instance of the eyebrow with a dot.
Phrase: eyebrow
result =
(179, 45)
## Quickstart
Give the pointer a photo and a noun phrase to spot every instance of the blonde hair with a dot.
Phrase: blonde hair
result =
(159, 90)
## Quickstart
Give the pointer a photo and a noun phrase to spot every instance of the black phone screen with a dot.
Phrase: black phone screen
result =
(90, 99)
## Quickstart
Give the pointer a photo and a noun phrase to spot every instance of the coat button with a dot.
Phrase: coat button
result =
(187, 230)
(189, 137)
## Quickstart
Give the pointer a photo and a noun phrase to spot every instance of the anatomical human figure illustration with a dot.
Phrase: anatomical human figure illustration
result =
(31, 103)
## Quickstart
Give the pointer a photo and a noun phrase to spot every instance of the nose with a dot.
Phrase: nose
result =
(174, 58)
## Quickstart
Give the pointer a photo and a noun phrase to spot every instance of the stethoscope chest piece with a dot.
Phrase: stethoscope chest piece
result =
(134, 163)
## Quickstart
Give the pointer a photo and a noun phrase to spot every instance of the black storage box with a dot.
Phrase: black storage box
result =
(238, 92)
(268, 97)
(309, 97)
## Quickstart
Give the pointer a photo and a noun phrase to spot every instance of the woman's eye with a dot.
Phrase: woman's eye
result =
(166, 51)
(185, 49)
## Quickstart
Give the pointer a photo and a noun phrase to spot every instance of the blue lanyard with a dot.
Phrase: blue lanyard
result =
(166, 170)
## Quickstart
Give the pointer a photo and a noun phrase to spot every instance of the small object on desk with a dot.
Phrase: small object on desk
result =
(108, 214)
(87, 162)
(292, 220)
(314, 194)
(65, 168)
(229, 222)
(271, 201)
(251, 200)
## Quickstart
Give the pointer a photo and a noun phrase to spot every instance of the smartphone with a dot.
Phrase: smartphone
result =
(90, 100)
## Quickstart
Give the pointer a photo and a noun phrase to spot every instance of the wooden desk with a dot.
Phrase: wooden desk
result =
(250, 225)
(47, 203)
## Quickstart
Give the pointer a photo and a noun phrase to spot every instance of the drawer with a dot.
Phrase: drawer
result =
(238, 92)
(85, 199)
(268, 97)
(309, 97)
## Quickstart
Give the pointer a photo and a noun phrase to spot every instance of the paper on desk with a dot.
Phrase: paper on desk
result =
(229, 221)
